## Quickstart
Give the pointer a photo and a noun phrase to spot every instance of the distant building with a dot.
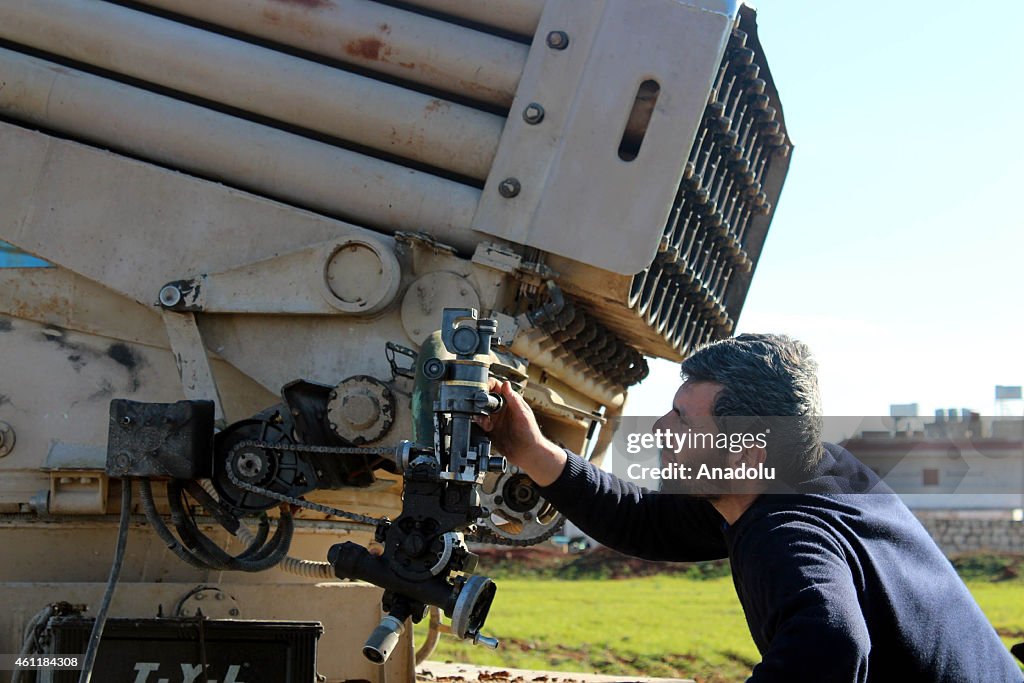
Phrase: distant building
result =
(958, 461)
(961, 474)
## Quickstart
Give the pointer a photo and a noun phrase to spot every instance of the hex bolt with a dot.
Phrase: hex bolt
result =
(6, 439)
(509, 188)
(170, 296)
(558, 40)
(533, 114)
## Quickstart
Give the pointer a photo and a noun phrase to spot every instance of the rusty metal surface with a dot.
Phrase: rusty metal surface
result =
(255, 79)
(57, 296)
(119, 225)
(383, 39)
(254, 157)
(516, 16)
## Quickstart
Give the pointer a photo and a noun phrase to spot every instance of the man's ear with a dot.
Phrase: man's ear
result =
(748, 457)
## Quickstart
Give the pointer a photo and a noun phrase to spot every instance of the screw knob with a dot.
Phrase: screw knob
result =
(509, 187)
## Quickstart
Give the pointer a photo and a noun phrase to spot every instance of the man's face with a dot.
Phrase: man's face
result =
(692, 411)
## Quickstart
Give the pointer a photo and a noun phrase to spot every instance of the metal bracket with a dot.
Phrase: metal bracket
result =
(498, 258)
(508, 328)
(588, 77)
(78, 484)
(354, 275)
(190, 357)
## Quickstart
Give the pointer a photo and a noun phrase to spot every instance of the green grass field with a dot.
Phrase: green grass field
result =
(660, 625)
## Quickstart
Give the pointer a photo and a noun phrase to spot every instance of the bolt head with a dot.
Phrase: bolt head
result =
(558, 40)
(509, 187)
(170, 296)
(533, 113)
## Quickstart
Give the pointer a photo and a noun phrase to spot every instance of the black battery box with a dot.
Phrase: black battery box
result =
(173, 650)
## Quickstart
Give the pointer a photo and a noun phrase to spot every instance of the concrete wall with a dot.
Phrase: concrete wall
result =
(966, 535)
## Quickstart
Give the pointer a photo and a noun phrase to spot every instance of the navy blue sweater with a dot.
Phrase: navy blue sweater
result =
(836, 584)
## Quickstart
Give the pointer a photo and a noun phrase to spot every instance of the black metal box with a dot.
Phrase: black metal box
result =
(173, 650)
(160, 439)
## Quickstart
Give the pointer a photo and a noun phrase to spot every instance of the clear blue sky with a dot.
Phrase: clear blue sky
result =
(897, 247)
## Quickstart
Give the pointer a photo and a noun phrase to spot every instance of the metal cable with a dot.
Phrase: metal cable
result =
(28, 645)
(115, 572)
(433, 635)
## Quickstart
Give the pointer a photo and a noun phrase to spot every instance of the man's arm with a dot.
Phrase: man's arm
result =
(800, 594)
(635, 521)
(618, 514)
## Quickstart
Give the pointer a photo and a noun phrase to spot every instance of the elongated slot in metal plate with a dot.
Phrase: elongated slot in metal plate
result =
(639, 118)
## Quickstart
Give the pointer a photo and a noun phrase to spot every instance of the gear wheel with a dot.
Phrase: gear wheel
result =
(518, 513)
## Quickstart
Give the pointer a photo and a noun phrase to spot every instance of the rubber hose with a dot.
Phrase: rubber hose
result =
(155, 521)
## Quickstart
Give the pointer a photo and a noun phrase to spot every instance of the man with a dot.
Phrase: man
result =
(837, 584)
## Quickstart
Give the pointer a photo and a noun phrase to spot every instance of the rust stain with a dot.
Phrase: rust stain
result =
(311, 4)
(367, 48)
(475, 88)
(485, 92)
(298, 21)
(436, 104)
(47, 309)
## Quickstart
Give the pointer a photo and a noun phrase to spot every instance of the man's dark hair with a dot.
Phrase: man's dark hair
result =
(766, 376)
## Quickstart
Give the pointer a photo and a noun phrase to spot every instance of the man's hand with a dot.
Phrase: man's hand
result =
(515, 434)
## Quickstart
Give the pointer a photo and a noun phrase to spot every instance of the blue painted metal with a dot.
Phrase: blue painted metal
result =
(12, 257)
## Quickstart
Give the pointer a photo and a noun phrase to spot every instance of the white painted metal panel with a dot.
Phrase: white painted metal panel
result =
(578, 198)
